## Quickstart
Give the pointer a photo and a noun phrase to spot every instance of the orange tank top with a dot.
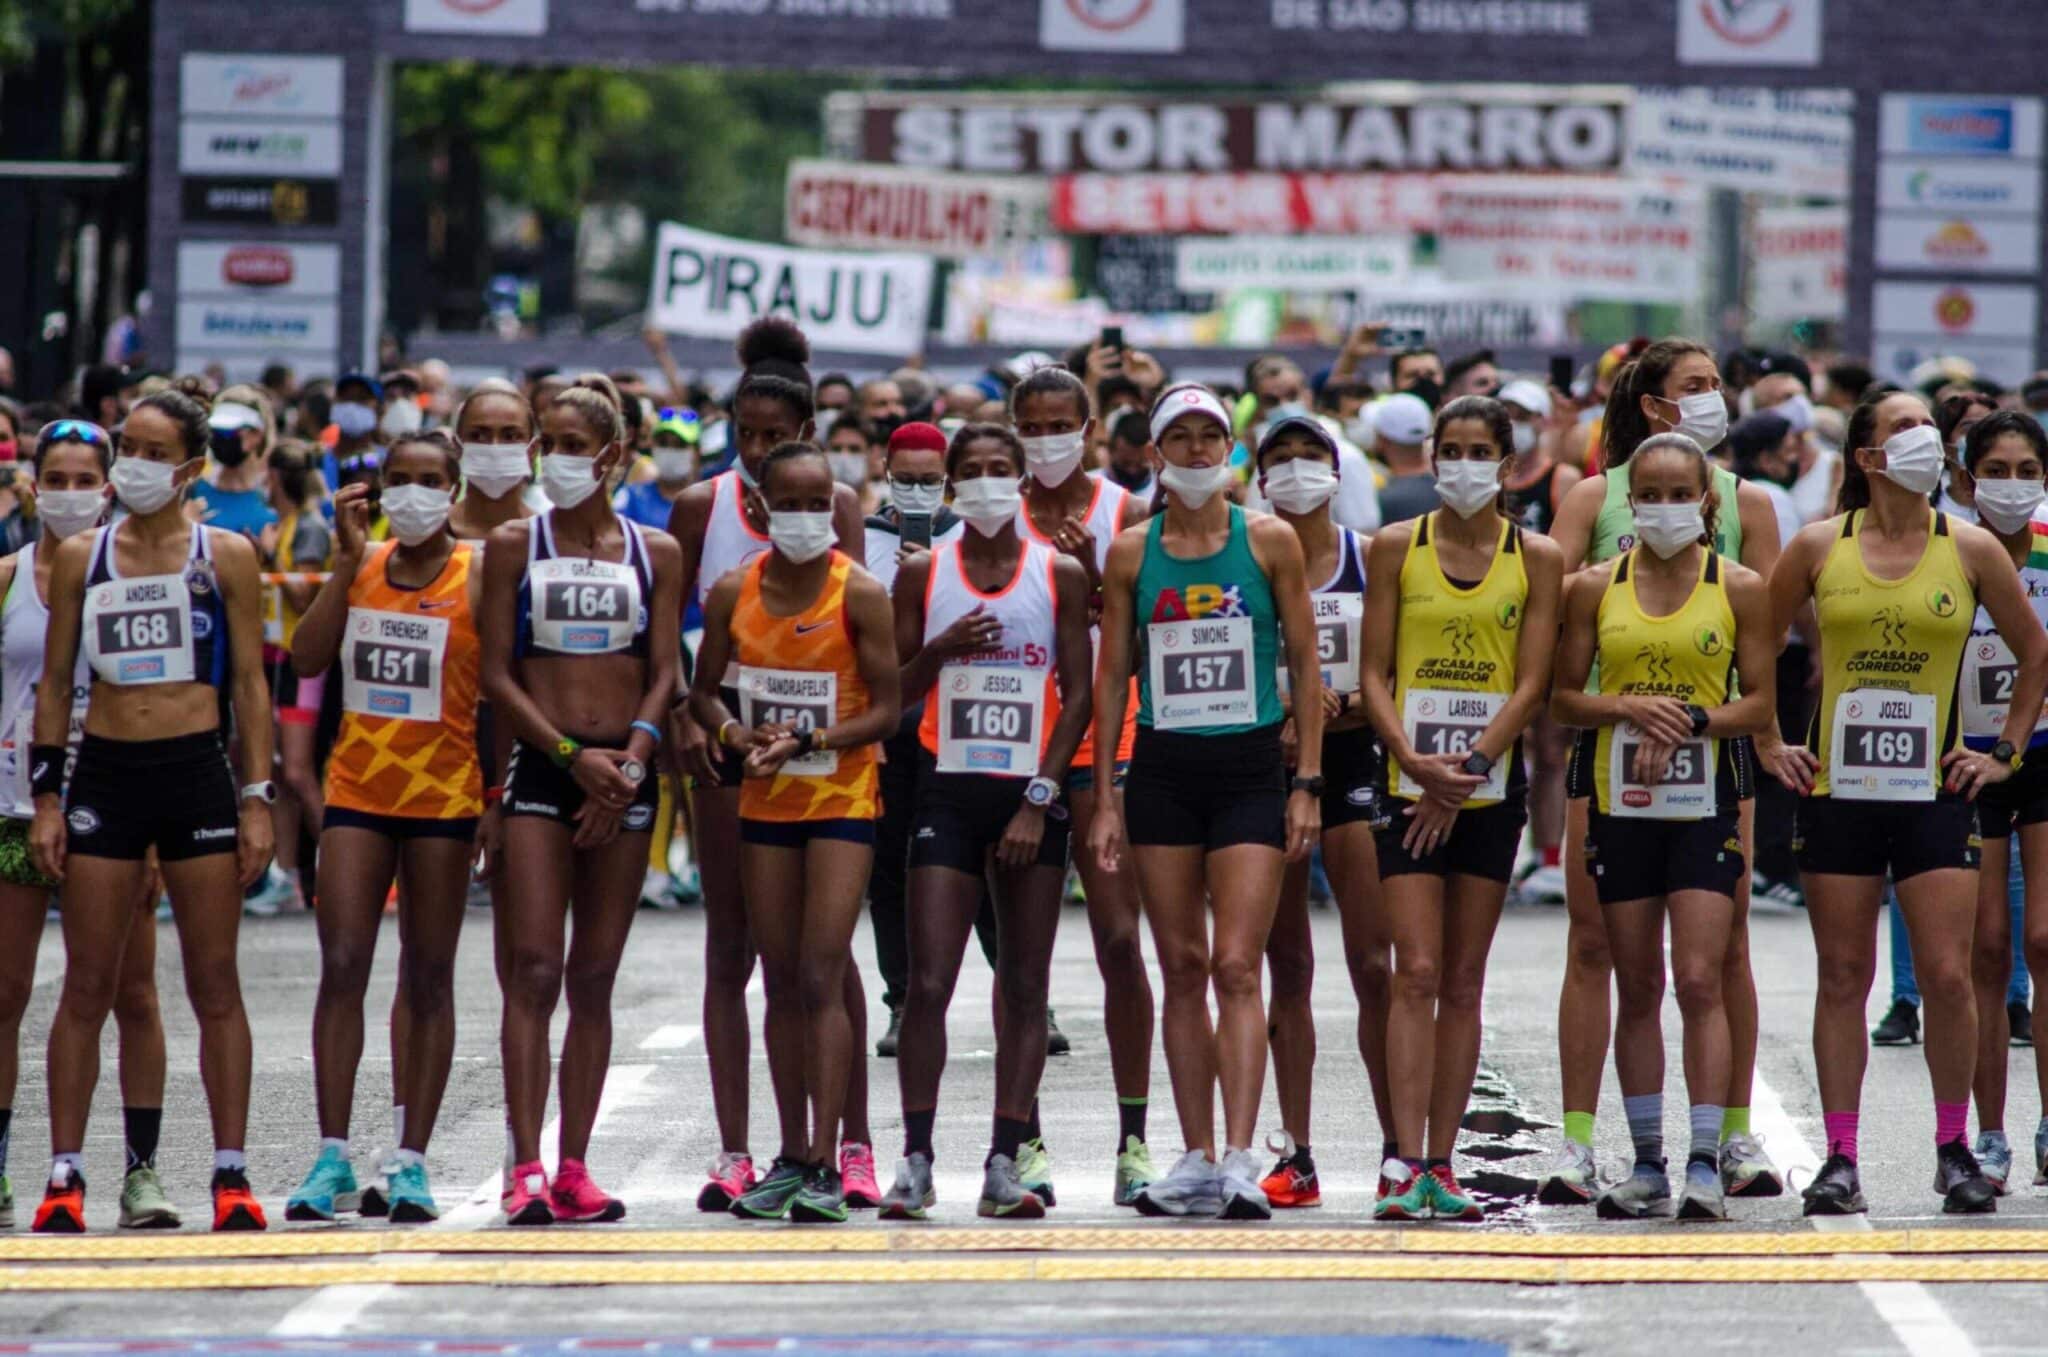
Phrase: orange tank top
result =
(408, 670)
(803, 671)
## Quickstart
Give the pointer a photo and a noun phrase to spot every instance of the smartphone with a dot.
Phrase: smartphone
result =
(1113, 337)
(1562, 366)
(1395, 338)
(917, 529)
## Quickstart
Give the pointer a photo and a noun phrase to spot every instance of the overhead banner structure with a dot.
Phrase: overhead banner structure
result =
(839, 206)
(716, 286)
(1793, 142)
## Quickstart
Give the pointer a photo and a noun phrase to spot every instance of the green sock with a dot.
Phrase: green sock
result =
(1734, 1122)
(1578, 1126)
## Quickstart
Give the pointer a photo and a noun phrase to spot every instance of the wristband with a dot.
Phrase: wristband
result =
(653, 731)
(46, 770)
(719, 739)
(565, 752)
(493, 796)
(807, 742)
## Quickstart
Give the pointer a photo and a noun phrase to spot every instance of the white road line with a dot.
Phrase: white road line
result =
(1920, 1323)
(671, 1037)
(330, 1311)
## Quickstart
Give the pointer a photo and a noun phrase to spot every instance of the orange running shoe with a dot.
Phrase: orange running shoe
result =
(234, 1206)
(1292, 1184)
(63, 1208)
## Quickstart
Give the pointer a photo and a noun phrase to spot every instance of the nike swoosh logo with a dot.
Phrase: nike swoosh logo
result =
(806, 628)
(430, 605)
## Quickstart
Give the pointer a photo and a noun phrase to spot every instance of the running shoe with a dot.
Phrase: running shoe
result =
(769, 1199)
(1900, 1025)
(1003, 1194)
(1544, 886)
(6, 1202)
(63, 1208)
(143, 1203)
(1056, 1042)
(330, 1188)
(376, 1198)
(1447, 1200)
(270, 898)
(1133, 1171)
(1746, 1171)
(857, 1176)
(2041, 1154)
(820, 1200)
(1238, 1178)
(1994, 1159)
(911, 1195)
(412, 1201)
(1961, 1183)
(1702, 1197)
(1835, 1190)
(526, 1201)
(732, 1177)
(1034, 1166)
(2021, 1022)
(1575, 1180)
(234, 1206)
(656, 890)
(1646, 1192)
(1190, 1188)
(1292, 1185)
(1404, 1193)
(577, 1200)
(885, 1045)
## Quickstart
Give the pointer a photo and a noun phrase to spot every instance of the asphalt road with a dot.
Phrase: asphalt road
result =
(655, 1138)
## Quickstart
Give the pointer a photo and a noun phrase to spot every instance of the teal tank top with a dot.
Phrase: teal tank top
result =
(1208, 638)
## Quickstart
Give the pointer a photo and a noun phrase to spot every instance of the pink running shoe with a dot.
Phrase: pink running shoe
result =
(526, 1198)
(732, 1177)
(578, 1200)
(857, 1176)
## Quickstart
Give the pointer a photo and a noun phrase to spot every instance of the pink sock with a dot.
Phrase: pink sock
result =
(1841, 1131)
(1950, 1121)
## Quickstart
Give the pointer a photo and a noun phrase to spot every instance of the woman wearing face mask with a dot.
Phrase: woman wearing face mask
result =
(2005, 454)
(71, 463)
(1460, 623)
(993, 633)
(579, 628)
(403, 797)
(1673, 386)
(496, 427)
(1080, 514)
(358, 407)
(1298, 474)
(1954, 416)
(721, 525)
(165, 611)
(848, 447)
(808, 635)
(1887, 782)
(1194, 603)
(235, 494)
(1671, 623)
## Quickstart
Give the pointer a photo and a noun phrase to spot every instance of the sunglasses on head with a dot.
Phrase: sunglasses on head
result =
(683, 414)
(76, 431)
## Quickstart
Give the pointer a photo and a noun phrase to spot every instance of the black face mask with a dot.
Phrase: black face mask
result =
(888, 424)
(227, 447)
(1130, 480)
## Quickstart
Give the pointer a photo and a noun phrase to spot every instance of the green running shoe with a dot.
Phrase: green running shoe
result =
(1448, 1200)
(143, 1203)
(412, 1201)
(1405, 1194)
(1134, 1171)
(6, 1203)
(822, 1201)
(769, 1199)
(1034, 1170)
(329, 1187)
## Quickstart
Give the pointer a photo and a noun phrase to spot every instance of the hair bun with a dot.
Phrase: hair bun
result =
(776, 345)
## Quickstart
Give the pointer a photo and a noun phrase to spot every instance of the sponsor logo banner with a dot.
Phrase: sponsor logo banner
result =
(1245, 204)
(239, 146)
(261, 84)
(1938, 125)
(519, 18)
(268, 270)
(1923, 185)
(1111, 25)
(1956, 310)
(1938, 242)
(257, 201)
(1749, 32)
(273, 327)
(833, 204)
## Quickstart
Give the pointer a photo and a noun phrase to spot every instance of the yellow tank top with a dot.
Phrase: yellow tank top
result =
(1454, 653)
(1688, 654)
(1903, 636)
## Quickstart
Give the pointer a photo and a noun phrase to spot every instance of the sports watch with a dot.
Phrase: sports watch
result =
(266, 792)
(565, 752)
(1312, 785)
(1477, 764)
(2006, 754)
(1041, 792)
(1698, 714)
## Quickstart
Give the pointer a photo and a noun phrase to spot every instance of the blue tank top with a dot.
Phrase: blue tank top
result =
(585, 606)
(127, 652)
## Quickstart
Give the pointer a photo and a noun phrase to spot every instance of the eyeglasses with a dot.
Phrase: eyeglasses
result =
(75, 431)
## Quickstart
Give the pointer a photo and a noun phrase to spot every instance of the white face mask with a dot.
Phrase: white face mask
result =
(1468, 485)
(1194, 486)
(2005, 506)
(1702, 417)
(416, 512)
(64, 512)
(987, 502)
(354, 419)
(1668, 529)
(910, 498)
(848, 468)
(496, 469)
(801, 536)
(1525, 439)
(1912, 459)
(403, 418)
(568, 479)
(674, 464)
(1052, 458)
(142, 485)
(1301, 486)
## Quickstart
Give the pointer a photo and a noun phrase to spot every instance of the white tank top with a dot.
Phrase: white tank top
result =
(729, 540)
(1104, 519)
(24, 622)
(990, 712)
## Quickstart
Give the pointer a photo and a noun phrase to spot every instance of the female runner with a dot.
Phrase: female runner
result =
(164, 611)
(1298, 473)
(808, 636)
(1670, 621)
(986, 627)
(496, 429)
(404, 794)
(1460, 623)
(71, 463)
(580, 616)
(1207, 814)
(1888, 784)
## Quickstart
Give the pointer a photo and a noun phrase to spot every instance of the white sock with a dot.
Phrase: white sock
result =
(403, 1157)
(398, 1123)
(339, 1144)
(230, 1161)
(68, 1165)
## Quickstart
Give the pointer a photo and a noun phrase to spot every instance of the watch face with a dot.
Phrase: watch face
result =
(635, 771)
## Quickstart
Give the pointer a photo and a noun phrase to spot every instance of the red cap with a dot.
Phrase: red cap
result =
(928, 437)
